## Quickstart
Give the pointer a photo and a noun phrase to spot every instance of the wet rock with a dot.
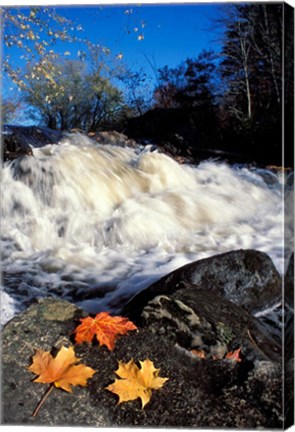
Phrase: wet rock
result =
(199, 393)
(45, 325)
(247, 278)
(190, 133)
(20, 140)
(14, 147)
(198, 319)
(113, 138)
(169, 128)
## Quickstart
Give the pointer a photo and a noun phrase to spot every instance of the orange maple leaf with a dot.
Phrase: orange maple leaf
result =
(234, 355)
(105, 327)
(61, 370)
(136, 382)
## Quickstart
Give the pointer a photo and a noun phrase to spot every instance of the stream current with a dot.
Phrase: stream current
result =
(95, 224)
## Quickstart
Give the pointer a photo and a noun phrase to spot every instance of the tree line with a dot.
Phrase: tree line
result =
(232, 98)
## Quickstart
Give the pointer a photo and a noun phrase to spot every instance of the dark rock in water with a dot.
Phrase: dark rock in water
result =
(199, 393)
(198, 319)
(113, 138)
(193, 133)
(169, 128)
(245, 277)
(14, 147)
(20, 140)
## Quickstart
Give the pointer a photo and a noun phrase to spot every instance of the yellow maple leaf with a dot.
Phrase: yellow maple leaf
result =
(136, 382)
(61, 370)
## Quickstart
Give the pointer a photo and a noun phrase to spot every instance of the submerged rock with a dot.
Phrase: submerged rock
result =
(199, 392)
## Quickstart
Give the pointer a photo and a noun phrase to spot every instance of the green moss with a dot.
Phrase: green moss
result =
(224, 333)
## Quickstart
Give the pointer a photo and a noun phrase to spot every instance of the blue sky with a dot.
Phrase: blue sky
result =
(171, 32)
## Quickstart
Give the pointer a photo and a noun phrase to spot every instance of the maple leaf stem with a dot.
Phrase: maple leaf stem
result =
(43, 399)
(252, 340)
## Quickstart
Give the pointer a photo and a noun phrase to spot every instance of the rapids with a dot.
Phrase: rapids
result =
(95, 224)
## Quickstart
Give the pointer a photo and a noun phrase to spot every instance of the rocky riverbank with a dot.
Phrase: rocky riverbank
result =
(206, 307)
(20, 141)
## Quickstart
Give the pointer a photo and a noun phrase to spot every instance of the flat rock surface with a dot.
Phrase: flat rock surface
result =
(199, 392)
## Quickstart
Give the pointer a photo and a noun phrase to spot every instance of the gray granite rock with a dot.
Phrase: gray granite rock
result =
(247, 278)
(198, 319)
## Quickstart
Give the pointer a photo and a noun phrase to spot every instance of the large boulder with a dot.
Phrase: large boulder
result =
(199, 392)
(247, 278)
(198, 319)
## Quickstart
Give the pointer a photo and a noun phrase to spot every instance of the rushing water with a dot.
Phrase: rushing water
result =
(95, 224)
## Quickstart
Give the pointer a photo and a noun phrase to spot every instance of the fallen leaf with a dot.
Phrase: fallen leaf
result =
(199, 353)
(61, 370)
(234, 355)
(105, 327)
(136, 382)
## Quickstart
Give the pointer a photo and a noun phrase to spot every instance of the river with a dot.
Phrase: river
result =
(95, 224)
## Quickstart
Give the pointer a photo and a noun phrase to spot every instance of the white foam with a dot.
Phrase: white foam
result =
(80, 217)
(8, 307)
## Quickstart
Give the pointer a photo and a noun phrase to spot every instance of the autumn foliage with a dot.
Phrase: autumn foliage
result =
(62, 370)
(136, 382)
(231, 355)
(234, 355)
(133, 382)
(104, 327)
